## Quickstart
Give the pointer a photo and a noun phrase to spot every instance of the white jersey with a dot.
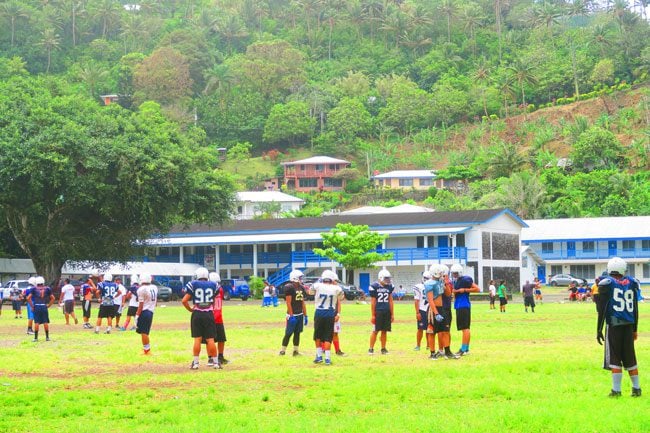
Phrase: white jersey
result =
(68, 292)
(133, 300)
(418, 295)
(493, 290)
(326, 299)
(119, 295)
(148, 294)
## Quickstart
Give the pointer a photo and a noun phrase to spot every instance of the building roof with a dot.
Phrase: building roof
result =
(403, 208)
(318, 160)
(572, 229)
(304, 229)
(407, 174)
(267, 196)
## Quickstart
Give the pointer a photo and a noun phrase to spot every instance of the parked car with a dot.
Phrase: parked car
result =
(238, 288)
(177, 288)
(56, 290)
(164, 292)
(308, 282)
(352, 292)
(6, 289)
(565, 280)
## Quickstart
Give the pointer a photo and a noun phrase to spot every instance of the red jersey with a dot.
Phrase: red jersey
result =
(218, 306)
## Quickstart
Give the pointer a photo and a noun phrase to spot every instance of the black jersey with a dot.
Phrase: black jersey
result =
(297, 293)
(382, 294)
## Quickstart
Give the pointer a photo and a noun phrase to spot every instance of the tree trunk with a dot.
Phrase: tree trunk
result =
(50, 270)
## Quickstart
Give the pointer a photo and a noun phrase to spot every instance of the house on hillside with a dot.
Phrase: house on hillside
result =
(316, 173)
(416, 179)
(254, 203)
(583, 246)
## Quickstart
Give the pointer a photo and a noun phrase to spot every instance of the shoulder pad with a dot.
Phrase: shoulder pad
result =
(605, 282)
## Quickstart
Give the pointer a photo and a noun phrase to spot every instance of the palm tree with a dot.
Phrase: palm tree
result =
(92, 75)
(13, 10)
(503, 159)
(449, 9)
(525, 194)
(481, 76)
(472, 18)
(397, 24)
(108, 13)
(218, 79)
(50, 40)
(523, 74)
(373, 11)
(230, 28)
(601, 36)
(504, 84)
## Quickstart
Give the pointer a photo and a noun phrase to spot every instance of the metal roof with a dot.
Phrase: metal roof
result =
(267, 196)
(407, 174)
(318, 160)
(402, 208)
(569, 229)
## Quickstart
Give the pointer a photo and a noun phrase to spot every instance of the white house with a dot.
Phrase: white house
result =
(253, 203)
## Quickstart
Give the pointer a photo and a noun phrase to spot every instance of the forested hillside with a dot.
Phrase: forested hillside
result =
(474, 88)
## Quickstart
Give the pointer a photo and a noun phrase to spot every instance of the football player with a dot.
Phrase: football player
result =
(30, 312)
(40, 298)
(220, 336)
(119, 301)
(87, 291)
(132, 297)
(381, 308)
(327, 298)
(202, 293)
(147, 297)
(434, 289)
(106, 291)
(618, 307)
(295, 295)
(463, 286)
(421, 310)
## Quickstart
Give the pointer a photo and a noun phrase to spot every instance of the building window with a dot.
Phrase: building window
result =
(308, 182)
(588, 246)
(319, 167)
(380, 182)
(334, 183)
(645, 245)
(426, 182)
(547, 247)
(631, 270)
(240, 210)
(333, 167)
(406, 182)
(419, 242)
(646, 271)
(587, 272)
(556, 269)
(302, 167)
(629, 245)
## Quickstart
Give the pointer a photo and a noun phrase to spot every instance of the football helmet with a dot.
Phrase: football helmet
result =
(202, 273)
(426, 275)
(108, 276)
(436, 270)
(39, 281)
(145, 278)
(134, 279)
(444, 269)
(456, 268)
(296, 275)
(329, 275)
(384, 275)
(616, 265)
(32, 281)
(214, 277)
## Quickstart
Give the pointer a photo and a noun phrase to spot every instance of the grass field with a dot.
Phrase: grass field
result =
(527, 373)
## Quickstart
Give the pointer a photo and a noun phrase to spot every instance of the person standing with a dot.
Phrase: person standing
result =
(381, 308)
(266, 295)
(502, 293)
(16, 297)
(528, 290)
(87, 291)
(67, 299)
(421, 310)
(444, 329)
(295, 295)
(119, 301)
(30, 311)
(147, 297)
(106, 291)
(40, 299)
(437, 323)
(220, 335)
(274, 295)
(493, 294)
(538, 290)
(463, 286)
(202, 293)
(327, 299)
(618, 297)
(132, 298)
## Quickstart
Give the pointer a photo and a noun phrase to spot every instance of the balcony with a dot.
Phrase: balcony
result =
(401, 256)
(596, 254)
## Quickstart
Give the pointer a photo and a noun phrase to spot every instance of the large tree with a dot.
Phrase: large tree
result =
(83, 182)
(353, 246)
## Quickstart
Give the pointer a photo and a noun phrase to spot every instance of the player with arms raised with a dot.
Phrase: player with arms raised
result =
(618, 298)
(202, 293)
(327, 299)
(107, 290)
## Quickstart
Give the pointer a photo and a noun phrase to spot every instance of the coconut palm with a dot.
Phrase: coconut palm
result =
(107, 12)
(13, 11)
(472, 18)
(525, 194)
(523, 74)
(93, 74)
(50, 40)
(449, 9)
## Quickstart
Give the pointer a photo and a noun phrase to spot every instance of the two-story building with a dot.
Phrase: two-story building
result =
(486, 242)
(415, 179)
(251, 204)
(582, 246)
(315, 173)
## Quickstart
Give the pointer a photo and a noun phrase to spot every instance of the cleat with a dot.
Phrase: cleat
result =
(108, 331)
(121, 328)
(132, 328)
(636, 392)
(210, 362)
(47, 339)
(35, 340)
(416, 348)
(282, 352)
(384, 351)
(217, 366)
(147, 352)
(328, 362)
(451, 356)
(318, 360)
(222, 360)
(434, 356)
(296, 353)
(194, 365)
(96, 332)
(614, 394)
(462, 353)
(30, 332)
(371, 351)
(340, 353)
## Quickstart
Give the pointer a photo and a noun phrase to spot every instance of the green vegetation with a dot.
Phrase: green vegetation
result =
(534, 373)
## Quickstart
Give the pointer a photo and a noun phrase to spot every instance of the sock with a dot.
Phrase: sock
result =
(36, 335)
(196, 359)
(284, 348)
(146, 347)
(464, 347)
(617, 378)
(448, 350)
(328, 353)
(635, 381)
(108, 328)
(96, 328)
(47, 333)
(295, 348)
(337, 346)
(319, 352)
(220, 356)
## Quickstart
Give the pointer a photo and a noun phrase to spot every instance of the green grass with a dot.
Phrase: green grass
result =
(527, 373)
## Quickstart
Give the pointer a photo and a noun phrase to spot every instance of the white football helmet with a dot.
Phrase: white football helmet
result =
(616, 265)
(296, 275)
(329, 275)
(145, 278)
(202, 274)
(426, 275)
(214, 277)
(457, 268)
(384, 275)
(108, 277)
(32, 281)
(444, 269)
(134, 279)
(436, 270)
(39, 281)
